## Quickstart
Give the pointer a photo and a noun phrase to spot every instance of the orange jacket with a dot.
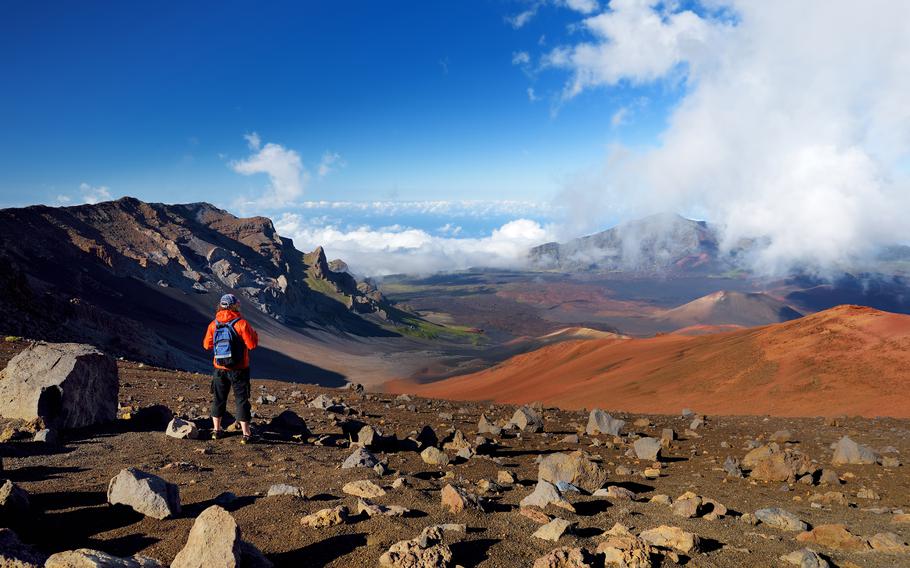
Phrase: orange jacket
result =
(243, 329)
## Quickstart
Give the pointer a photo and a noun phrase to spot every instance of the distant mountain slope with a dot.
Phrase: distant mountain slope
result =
(142, 279)
(730, 308)
(846, 360)
(656, 244)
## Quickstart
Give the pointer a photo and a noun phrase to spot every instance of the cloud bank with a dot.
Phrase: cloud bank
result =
(396, 249)
(793, 123)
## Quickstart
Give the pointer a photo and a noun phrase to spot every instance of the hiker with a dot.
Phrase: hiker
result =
(232, 338)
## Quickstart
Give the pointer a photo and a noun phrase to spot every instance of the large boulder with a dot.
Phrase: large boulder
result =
(145, 493)
(574, 468)
(67, 385)
(215, 540)
(599, 422)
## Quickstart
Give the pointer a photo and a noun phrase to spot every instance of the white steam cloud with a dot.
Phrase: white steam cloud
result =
(794, 126)
(394, 250)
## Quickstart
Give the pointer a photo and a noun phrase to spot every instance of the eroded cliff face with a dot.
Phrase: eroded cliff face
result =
(73, 266)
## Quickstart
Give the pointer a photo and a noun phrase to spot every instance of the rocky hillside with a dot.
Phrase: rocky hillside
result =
(126, 269)
(657, 244)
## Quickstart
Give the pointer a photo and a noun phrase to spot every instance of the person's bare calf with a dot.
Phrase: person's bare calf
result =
(216, 423)
(245, 426)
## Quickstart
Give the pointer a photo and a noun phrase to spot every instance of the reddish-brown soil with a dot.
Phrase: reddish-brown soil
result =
(67, 484)
(846, 360)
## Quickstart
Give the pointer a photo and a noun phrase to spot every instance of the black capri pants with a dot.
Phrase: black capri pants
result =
(223, 381)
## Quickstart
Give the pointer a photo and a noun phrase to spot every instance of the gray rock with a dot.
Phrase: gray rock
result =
(805, 558)
(215, 540)
(601, 422)
(289, 422)
(182, 430)
(285, 489)
(47, 436)
(87, 558)
(846, 451)
(527, 419)
(781, 519)
(484, 426)
(145, 493)
(360, 458)
(731, 466)
(545, 493)
(574, 468)
(67, 385)
(434, 456)
(647, 448)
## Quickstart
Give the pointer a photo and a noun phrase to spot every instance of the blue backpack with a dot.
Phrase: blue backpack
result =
(228, 344)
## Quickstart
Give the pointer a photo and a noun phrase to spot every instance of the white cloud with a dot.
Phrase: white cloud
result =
(330, 162)
(253, 140)
(583, 6)
(287, 176)
(633, 41)
(92, 194)
(619, 117)
(521, 58)
(392, 250)
(532, 96)
(793, 125)
(519, 20)
(63, 200)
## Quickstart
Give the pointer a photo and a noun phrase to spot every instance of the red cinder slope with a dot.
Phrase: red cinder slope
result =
(847, 360)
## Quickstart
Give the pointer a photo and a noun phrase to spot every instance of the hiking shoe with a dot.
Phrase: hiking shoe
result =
(251, 439)
(217, 434)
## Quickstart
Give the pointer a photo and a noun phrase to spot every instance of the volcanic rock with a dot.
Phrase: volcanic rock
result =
(781, 519)
(564, 557)
(846, 451)
(182, 429)
(215, 540)
(805, 558)
(457, 499)
(647, 448)
(527, 419)
(325, 518)
(553, 530)
(671, 537)
(835, 537)
(285, 489)
(66, 385)
(602, 423)
(145, 493)
(417, 553)
(434, 456)
(889, 543)
(574, 468)
(14, 503)
(363, 488)
(360, 458)
(87, 558)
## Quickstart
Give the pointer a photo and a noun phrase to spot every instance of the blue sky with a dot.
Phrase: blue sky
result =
(435, 135)
(421, 100)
